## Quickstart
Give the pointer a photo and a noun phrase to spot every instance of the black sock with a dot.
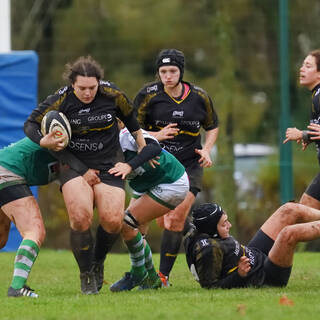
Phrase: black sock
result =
(104, 243)
(170, 245)
(82, 247)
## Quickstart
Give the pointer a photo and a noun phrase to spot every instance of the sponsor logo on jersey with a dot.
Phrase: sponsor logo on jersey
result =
(251, 256)
(86, 110)
(75, 121)
(104, 82)
(107, 117)
(177, 114)
(158, 189)
(136, 172)
(152, 88)
(191, 123)
(237, 248)
(172, 149)
(86, 146)
(63, 90)
(204, 242)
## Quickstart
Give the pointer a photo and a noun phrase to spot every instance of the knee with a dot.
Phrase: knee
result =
(81, 222)
(288, 236)
(112, 223)
(289, 213)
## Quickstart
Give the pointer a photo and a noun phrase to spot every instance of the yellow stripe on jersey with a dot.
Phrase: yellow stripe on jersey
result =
(93, 129)
(193, 134)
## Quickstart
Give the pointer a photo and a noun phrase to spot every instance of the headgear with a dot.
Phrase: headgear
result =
(171, 57)
(206, 217)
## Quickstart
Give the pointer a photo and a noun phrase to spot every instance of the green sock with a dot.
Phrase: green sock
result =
(149, 263)
(25, 258)
(136, 252)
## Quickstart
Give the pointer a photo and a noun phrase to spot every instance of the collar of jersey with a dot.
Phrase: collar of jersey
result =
(175, 100)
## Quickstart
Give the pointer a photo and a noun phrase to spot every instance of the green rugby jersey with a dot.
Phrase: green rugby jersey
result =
(30, 161)
(145, 177)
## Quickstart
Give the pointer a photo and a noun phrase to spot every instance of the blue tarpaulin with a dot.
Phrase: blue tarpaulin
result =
(18, 97)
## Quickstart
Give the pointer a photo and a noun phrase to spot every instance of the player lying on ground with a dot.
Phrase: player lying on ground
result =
(156, 190)
(217, 260)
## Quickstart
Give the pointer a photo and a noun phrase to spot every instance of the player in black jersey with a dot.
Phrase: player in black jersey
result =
(173, 111)
(310, 78)
(217, 260)
(91, 106)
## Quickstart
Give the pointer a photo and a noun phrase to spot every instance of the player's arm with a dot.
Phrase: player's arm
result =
(233, 280)
(150, 151)
(138, 137)
(211, 138)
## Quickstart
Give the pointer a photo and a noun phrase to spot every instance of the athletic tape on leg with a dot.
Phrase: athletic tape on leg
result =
(130, 220)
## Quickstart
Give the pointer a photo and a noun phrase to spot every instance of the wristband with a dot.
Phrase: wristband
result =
(305, 136)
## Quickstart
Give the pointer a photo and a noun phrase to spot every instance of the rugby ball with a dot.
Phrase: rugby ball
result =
(58, 123)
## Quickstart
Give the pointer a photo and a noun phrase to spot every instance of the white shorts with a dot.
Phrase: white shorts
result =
(168, 194)
(8, 178)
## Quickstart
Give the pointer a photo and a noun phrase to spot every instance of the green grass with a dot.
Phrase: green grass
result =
(55, 276)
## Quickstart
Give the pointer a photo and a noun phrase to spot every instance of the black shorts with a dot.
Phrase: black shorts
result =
(67, 174)
(313, 190)
(274, 275)
(195, 173)
(14, 192)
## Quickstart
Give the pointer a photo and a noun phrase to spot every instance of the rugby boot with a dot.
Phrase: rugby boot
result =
(164, 280)
(88, 283)
(128, 282)
(98, 269)
(25, 291)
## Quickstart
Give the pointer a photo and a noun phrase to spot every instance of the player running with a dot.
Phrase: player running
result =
(91, 105)
(156, 190)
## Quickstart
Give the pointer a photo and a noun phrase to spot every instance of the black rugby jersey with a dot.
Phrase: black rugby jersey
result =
(156, 109)
(95, 133)
(214, 261)
(315, 113)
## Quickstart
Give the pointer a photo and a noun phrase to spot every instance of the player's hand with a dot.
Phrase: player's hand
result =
(314, 131)
(304, 145)
(244, 266)
(91, 176)
(50, 142)
(205, 159)
(293, 134)
(120, 169)
(168, 132)
(153, 162)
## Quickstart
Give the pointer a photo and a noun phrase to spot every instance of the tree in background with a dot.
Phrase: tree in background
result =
(231, 49)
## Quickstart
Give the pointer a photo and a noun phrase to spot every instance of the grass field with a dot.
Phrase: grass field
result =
(55, 276)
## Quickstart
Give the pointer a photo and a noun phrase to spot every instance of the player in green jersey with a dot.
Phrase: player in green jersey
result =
(24, 164)
(157, 189)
